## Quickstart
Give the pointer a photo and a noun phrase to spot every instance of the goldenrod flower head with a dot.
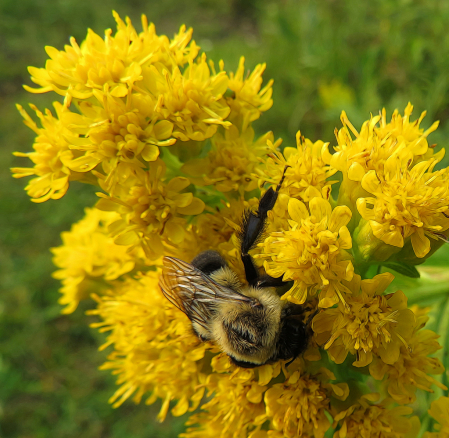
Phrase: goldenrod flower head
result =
(248, 101)
(116, 61)
(376, 142)
(155, 349)
(298, 406)
(366, 420)
(51, 155)
(306, 176)
(370, 323)
(237, 407)
(312, 251)
(439, 410)
(88, 259)
(117, 137)
(413, 367)
(406, 203)
(372, 146)
(192, 100)
(153, 210)
(405, 130)
(230, 163)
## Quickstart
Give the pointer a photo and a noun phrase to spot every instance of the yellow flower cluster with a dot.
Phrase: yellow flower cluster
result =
(154, 348)
(150, 209)
(439, 410)
(370, 323)
(413, 368)
(230, 164)
(312, 251)
(243, 402)
(125, 99)
(365, 420)
(390, 184)
(90, 261)
(168, 140)
(307, 175)
(51, 156)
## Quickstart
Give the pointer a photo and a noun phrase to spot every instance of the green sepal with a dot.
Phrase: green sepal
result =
(172, 162)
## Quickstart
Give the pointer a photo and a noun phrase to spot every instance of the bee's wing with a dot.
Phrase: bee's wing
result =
(193, 292)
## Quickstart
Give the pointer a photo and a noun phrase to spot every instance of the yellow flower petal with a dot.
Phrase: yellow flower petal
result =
(297, 210)
(195, 207)
(420, 243)
(340, 217)
(150, 152)
(320, 208)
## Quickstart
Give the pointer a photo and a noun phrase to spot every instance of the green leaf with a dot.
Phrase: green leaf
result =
(402, 268)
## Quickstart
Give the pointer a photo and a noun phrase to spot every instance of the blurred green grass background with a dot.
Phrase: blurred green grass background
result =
(324, 57)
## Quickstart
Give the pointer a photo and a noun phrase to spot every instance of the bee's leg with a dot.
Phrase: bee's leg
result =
(268, 281)
(253, 225)
(310, 318)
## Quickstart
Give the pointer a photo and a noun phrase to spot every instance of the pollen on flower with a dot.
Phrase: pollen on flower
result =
(307, 175)
(89, 260)
(311, 252)
(152, 211)
(370, 324)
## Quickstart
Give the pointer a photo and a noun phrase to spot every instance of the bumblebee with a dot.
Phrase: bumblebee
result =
(249, 322)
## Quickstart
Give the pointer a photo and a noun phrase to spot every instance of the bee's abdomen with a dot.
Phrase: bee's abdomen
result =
(246, 333)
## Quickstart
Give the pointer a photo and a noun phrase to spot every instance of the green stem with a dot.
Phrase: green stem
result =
(361, 269)
(424, 425)
(443, 326)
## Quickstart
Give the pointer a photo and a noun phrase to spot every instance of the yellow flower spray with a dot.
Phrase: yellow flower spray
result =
(168, 140)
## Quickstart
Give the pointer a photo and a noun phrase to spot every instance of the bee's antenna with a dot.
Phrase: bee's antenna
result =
(278, 187)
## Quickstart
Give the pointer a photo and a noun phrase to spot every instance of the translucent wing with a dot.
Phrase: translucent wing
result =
(193, 292)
